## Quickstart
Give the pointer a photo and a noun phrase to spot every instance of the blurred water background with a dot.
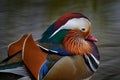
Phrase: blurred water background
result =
(34, 16)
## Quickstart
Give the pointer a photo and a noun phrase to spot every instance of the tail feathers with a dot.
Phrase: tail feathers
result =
(12, 59)
(16, 68)
(16, 46)
(33, 56)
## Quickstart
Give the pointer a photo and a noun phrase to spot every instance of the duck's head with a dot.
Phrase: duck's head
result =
(73, 30)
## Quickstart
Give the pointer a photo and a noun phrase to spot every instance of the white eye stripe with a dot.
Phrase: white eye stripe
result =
(75, 23)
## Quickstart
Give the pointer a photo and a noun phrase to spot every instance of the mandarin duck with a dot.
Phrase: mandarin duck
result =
(66, 51)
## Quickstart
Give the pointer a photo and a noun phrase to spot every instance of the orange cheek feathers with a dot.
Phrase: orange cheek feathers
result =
(75, 44)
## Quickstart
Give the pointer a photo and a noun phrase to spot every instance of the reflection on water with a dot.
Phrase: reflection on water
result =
(34, 16)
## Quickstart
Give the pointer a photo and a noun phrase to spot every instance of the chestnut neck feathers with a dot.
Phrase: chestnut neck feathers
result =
(74, 43)
(70, 30)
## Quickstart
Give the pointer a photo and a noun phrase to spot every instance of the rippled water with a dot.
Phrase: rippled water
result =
(34, 16)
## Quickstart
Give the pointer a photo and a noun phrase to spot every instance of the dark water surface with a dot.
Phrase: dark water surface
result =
(34, 16)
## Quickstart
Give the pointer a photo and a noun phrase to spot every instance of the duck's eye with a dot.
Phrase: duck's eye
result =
(83, 29)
